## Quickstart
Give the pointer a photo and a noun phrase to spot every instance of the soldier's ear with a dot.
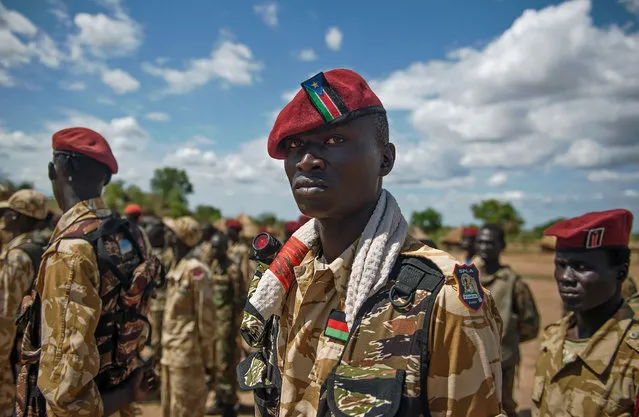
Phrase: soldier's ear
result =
(622, 272)
(387, 160)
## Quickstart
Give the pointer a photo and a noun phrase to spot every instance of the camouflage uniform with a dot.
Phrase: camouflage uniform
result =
(16, 277)
(628, 288)
(157, 302)
(591, 377)
(464, 376)
(226, 280)
(520, 317)
(239, 254)
(188, 329)
(69, 287)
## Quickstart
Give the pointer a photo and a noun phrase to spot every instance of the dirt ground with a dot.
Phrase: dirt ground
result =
(537, 269)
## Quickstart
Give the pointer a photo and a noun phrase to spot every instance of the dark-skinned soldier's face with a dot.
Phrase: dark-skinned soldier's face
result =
(336, 172)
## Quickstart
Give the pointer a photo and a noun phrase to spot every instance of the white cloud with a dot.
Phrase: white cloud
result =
(268, 13)
(498, 179)
(21, 42)
(552, 84)
(120, 81)
(605, 175)
(631, 193)
(307, 55)
(334, 38)
(231, 62)
(73, 86)
(105, 36)
(631, 5)
(17, 141)
(158, 117)
(289, 95)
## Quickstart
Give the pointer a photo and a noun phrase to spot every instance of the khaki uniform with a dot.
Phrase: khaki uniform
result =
(68, 284)
(156, 304)
(187, 339)
(204, 252)
(595, 377)
(628, 288)
(16, 277)
(464, 375)
(226, 280)
(520, 317)
(239, 254)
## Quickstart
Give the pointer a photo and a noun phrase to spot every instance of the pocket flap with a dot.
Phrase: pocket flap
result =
(364, 391)
(252, 372)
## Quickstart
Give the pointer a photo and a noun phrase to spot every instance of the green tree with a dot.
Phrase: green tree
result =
(167, 179)
(499, 212)
(15, 186)
(114, 195)
(429, 220)
(266, 219)
(176, 203)
(539, 230)
(207, 214)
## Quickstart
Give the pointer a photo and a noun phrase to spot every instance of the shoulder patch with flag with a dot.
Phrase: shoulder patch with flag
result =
(325, 99)
(336, 326)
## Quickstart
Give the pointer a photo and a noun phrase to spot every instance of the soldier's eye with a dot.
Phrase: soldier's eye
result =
(294, 143)
(334, 140)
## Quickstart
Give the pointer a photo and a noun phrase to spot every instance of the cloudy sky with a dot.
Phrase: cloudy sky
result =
(530, 101)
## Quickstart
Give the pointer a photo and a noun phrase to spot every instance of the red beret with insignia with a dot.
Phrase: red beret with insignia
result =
(86, 142)
(593, 230)
(470, 231)
(331, 97)
(233, 224)
(292, 227)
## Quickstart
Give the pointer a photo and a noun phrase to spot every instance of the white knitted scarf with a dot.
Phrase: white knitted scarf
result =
(377, 250)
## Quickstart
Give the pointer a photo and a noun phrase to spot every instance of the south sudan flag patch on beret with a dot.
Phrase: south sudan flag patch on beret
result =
(336, 326)
(324, 98)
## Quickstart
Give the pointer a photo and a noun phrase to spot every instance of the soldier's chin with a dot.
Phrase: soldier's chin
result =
(572, 305)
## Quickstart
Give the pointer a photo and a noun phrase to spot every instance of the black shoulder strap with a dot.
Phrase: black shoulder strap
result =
(413, 273)
(34, 251)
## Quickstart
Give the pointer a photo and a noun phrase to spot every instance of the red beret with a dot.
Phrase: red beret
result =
(333, 97)
(303, 219)
(593, 230)
(292, 227)
(232, 223)
(86, 142)
(470, 231)
(133, 209)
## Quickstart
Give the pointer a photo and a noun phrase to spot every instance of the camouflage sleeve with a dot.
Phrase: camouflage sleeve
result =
(15, 279)
(628, 287)
(526, 311)
(224, 301)
(203, 286)
(464, 375)
(71, 307)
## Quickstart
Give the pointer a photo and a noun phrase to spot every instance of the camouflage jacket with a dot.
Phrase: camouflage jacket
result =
(188, 328)
(603, 380)
(69, 350)
(517, 309)
(306, 366)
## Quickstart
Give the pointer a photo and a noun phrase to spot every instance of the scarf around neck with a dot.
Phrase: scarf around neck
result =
(377, 250)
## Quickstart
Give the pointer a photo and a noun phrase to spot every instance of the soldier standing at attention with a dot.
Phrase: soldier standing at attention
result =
(227, 301)
(363, 319)
(188, 324)
(589, 360)
(469, 234)
(203, 251)
(19, 263)
(60, 350)
(515, 303)
(239, 251)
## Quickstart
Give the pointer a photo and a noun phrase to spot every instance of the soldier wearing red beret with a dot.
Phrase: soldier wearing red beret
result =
(469, 235)
(589, 360)
(69, 291)
(342, 277)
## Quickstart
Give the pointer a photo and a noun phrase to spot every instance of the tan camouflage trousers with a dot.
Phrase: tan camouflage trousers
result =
(7, 391)
(184, 391)
(155, 318)
(508, 389)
